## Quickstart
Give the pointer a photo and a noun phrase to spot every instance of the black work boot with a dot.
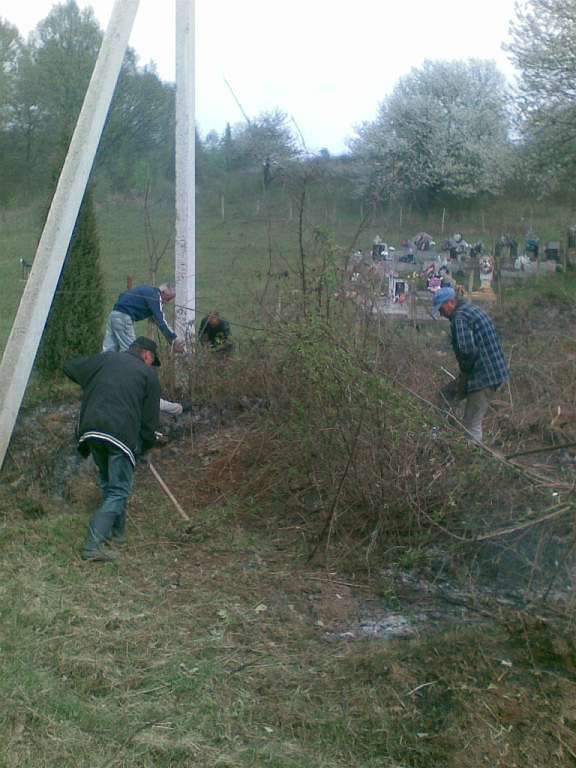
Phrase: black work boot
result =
(100, 555)
(95, 549)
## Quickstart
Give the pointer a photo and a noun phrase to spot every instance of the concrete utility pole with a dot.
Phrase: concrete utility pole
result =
(185, 244)
(37, 298)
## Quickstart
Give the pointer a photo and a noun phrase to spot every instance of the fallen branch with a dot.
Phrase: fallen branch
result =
(338, 582)
(503, 531)
(541, 450)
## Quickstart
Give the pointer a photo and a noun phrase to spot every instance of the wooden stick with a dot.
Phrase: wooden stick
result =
(168, 492)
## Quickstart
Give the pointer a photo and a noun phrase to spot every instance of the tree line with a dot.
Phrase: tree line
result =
(42, 85)
(448, 130)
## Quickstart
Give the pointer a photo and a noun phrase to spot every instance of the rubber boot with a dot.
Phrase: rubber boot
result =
(94, 549)
(118, 534)
(100, 555)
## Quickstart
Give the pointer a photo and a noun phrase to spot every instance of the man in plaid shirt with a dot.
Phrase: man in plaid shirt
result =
(482, 364)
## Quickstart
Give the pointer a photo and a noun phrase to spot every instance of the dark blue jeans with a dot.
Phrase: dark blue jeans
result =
(115, 481)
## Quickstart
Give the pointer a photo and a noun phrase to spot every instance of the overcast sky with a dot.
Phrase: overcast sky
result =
(326, 64)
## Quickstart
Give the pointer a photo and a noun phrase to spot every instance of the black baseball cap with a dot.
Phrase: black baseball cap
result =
(145, 343)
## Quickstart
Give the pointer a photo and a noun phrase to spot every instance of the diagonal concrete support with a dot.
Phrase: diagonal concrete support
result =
(26, 333)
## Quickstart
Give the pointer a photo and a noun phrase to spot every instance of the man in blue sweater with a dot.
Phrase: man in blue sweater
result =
(136, 304)
(483, 367)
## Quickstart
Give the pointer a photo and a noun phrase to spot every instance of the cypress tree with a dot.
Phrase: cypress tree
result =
(74, 324)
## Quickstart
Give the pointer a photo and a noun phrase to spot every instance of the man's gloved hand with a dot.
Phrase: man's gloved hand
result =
(186, 406)
(448, 393)
(161, 439)
(454, 391)
(461, 383)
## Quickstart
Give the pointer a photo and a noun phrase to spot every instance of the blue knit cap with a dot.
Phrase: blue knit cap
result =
(444, 294)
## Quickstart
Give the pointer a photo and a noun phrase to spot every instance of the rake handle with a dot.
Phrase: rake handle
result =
(168, 492)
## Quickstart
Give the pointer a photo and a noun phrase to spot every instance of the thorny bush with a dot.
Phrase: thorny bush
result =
(361, 459)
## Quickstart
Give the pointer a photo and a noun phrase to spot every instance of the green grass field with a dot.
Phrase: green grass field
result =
(234, 255)
(228, 256)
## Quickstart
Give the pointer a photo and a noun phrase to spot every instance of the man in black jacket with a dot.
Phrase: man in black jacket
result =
(118, 421)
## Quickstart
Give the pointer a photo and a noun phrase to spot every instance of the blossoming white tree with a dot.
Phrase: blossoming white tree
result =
(444, 130)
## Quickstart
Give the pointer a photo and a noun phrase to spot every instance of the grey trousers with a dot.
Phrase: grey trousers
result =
(477, 404)
(119, 332)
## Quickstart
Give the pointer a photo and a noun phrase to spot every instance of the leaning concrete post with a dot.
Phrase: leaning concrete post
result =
(26, 333)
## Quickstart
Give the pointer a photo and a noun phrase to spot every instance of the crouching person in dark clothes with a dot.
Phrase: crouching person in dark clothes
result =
(214, 332)
(118, 421)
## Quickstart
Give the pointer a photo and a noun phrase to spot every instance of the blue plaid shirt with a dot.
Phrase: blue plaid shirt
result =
(477, 348)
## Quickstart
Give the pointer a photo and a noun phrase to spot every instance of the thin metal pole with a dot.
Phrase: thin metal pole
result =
(185, 241)
(36, 300)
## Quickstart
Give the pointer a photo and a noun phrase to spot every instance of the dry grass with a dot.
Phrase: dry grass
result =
(217, 646)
